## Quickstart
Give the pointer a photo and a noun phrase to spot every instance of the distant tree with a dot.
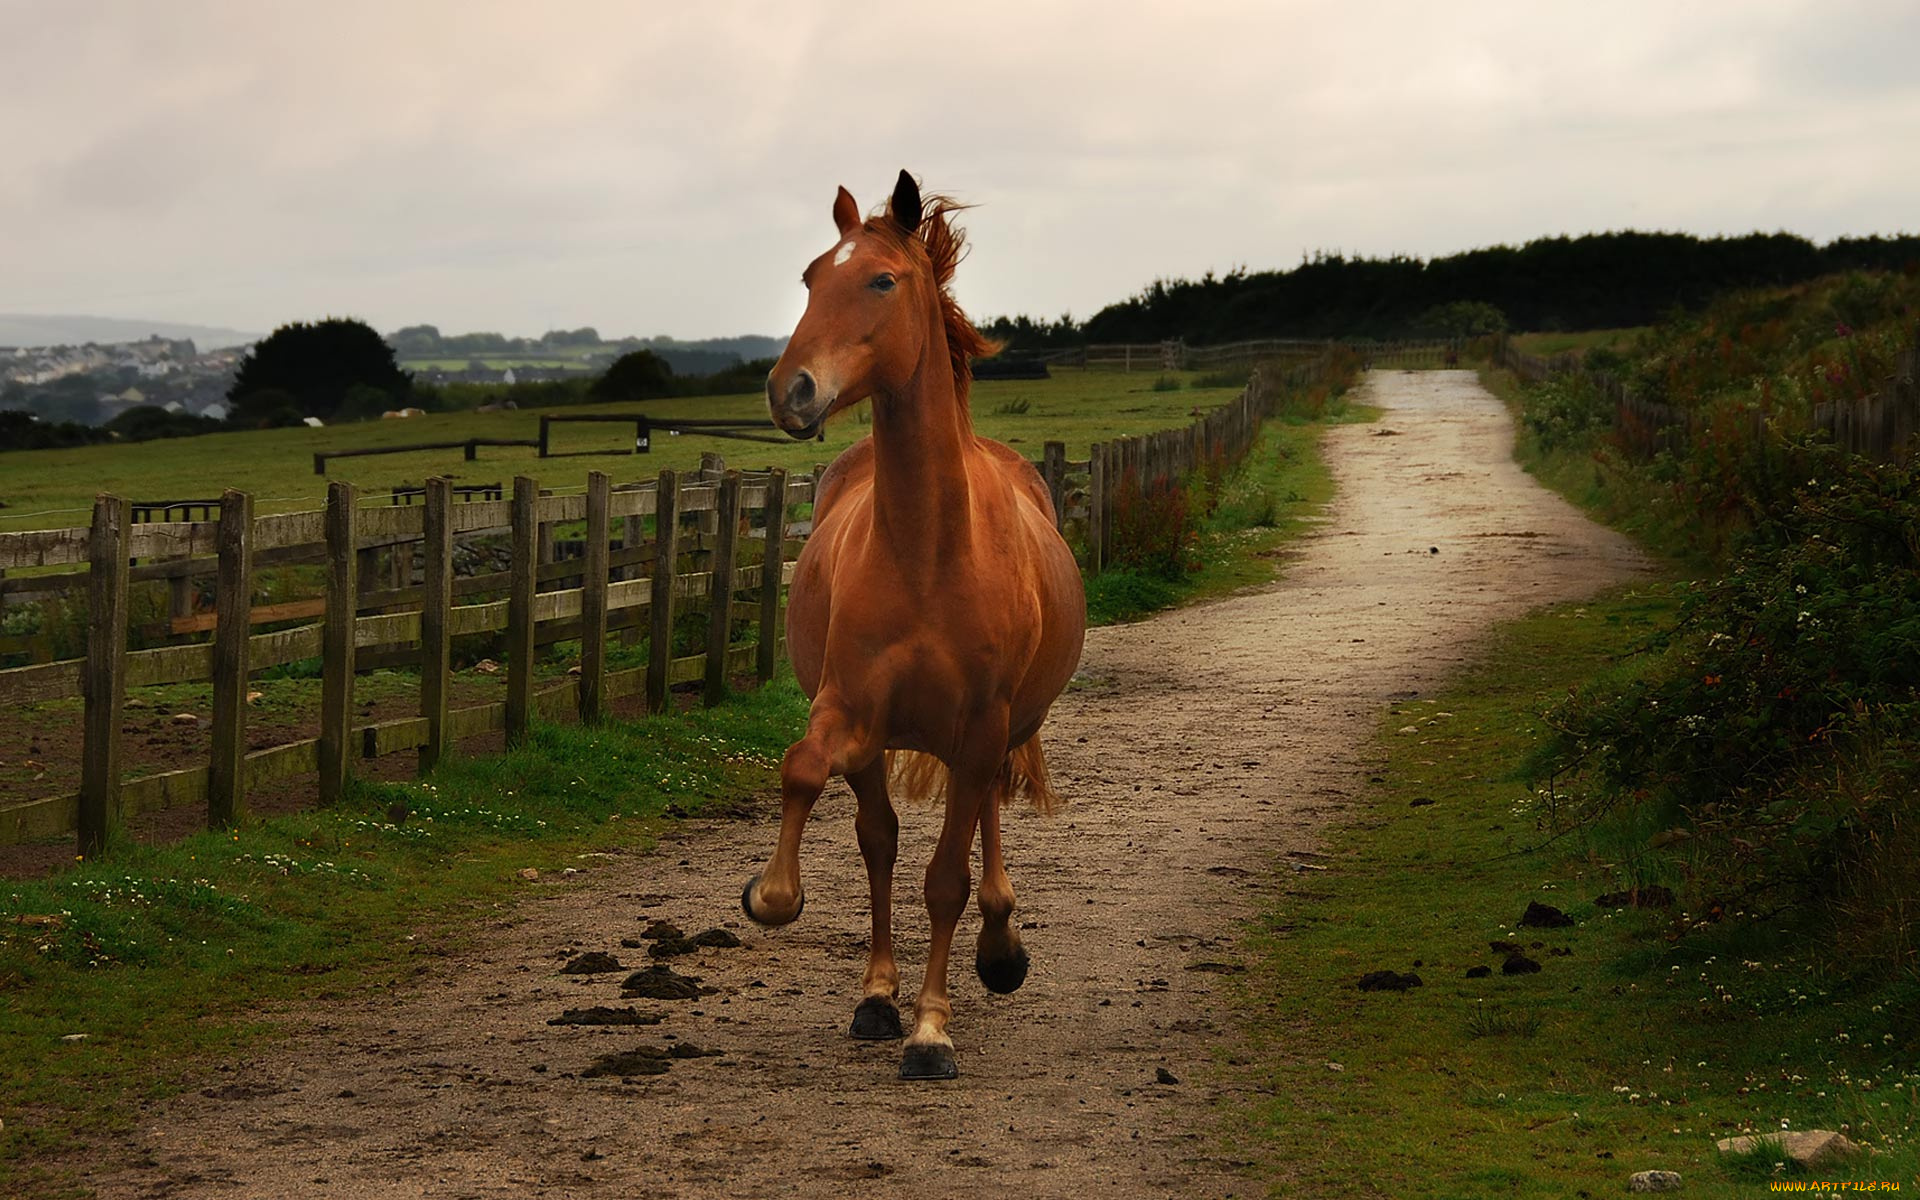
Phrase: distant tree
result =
(19, 430)
(641, 375)
(586, 335)
(1460, 319)
(309, 369)
(416, 341)
(147, 422)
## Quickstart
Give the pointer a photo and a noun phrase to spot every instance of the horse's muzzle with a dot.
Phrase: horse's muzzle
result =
(798, 409)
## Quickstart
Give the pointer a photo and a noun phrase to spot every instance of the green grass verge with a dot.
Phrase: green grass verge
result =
(1268, 501)
(48, 489)
(1627, 1051)
(94, 962)
(1627, 501)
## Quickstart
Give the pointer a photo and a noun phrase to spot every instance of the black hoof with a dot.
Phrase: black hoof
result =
(876, 1020)
(746, 906)
(928, 1062)
(1004, 974)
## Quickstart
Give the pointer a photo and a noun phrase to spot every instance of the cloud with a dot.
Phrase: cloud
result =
(658, 169)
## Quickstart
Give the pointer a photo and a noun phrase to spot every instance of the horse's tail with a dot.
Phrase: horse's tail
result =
(912, 775)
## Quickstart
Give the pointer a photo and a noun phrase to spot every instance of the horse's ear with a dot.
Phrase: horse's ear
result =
(846, 214)
(905, 205)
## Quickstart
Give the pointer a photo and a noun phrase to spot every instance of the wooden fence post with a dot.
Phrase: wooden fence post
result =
(336, 645)
(436, 646)
(105, 680)
(233, 612)
(773, 564)
(720, 591)
(666, 554)
(1053, 468)
(593, 601)
(1096, 507)
(523, 576)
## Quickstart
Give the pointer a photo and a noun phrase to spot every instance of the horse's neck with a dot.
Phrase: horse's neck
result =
(921, 440)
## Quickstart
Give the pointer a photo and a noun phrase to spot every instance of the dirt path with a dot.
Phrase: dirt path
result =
(1206, 747)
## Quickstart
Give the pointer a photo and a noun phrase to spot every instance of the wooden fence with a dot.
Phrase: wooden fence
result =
(1177, 355)
(1167, 457)
(703, 566)
(1879, 426)
(408, 608)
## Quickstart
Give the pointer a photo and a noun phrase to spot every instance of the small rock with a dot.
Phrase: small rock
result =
(1162, 1075)
(73, 1037)
(1419, 802)
(184, 718)
(134, 702)
(1519, 964)
(1388, 981)
(1808, 1147)
(1480, 972)
(662, 929)
(1544, 916)
(530, 873)
(487, 666)
(1654, 1181)
(593, 962)
(631, 943)
(254, 697)
(715, 937)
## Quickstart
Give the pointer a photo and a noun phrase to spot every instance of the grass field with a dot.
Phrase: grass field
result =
(1627, 1051)
(53, 488)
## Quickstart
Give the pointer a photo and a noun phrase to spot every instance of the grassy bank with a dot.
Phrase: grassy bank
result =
(119, 977)
(1629, 1049)
(1238, 525)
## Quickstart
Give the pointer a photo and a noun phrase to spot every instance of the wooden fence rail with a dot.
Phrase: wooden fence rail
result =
(422, 620)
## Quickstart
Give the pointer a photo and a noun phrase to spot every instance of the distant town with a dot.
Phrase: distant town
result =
(94, 383)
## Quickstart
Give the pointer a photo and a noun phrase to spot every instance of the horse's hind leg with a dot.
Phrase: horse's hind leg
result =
(878, 829)
(999, 958)
(929, 1051)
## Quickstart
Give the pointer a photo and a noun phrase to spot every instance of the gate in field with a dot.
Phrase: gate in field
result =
(714, 535)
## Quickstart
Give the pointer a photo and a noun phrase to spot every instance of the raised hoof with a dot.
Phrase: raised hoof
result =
(746, 906)
(876, 1020)
(929, 1062)
(1004, 974)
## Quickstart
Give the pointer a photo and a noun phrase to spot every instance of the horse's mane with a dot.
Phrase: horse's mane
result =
(945, 244)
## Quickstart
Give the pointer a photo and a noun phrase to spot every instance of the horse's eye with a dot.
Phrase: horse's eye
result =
(882, 283)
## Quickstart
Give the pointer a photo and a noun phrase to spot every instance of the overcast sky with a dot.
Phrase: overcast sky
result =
(668, 168)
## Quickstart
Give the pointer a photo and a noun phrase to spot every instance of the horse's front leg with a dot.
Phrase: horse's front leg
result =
(929, 1052)
(878, 829)
(774, 897)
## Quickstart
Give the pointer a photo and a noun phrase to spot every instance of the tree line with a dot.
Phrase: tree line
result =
(1594, 281)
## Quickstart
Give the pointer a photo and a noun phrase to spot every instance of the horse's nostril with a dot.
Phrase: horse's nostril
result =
(800, 391)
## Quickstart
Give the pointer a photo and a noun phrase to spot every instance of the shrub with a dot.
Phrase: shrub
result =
(1777, 726)
(1154, 532)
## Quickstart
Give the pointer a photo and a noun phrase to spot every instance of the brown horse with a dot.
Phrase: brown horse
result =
(935, 609)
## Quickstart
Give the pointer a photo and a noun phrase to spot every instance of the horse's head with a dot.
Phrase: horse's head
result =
(873, 301)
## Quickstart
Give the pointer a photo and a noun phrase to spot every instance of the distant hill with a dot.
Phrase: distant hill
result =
(21, 329)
